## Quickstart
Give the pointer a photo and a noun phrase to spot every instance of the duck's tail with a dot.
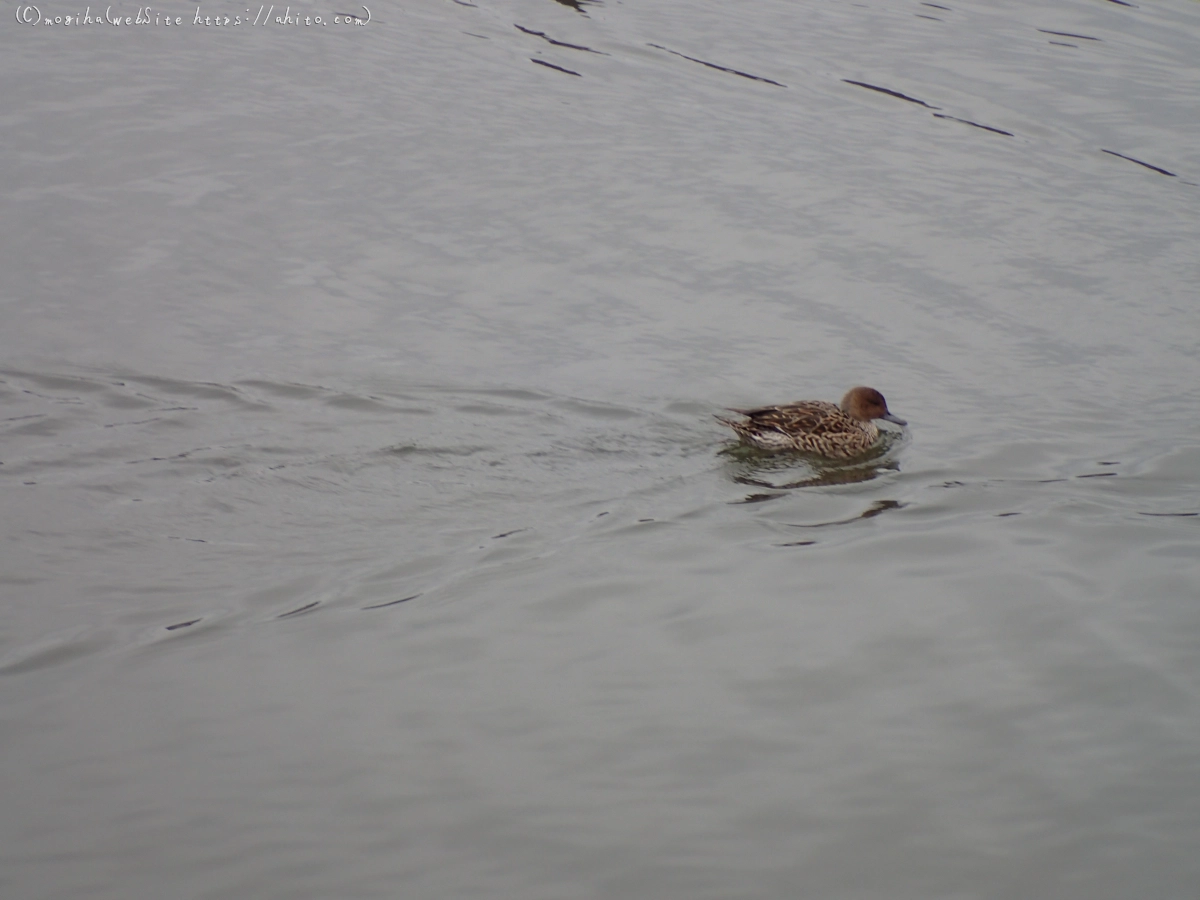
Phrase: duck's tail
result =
(741, 429)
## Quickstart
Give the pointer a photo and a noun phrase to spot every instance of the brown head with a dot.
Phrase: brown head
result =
(864, 404)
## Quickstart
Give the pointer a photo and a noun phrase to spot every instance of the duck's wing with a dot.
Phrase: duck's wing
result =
(806, 417)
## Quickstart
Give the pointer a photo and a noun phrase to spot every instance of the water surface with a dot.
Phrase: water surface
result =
(365, 531)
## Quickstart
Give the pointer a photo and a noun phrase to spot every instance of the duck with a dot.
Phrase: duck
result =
(815, 426)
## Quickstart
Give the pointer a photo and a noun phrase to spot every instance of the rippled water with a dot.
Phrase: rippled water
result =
(365, 530)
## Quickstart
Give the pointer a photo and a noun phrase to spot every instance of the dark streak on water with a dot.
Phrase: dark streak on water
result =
(976, 124)
(577, 5)
(1082, 37)
(551, 40)
(298, 610)
(552, 66)
(889, 92)
(717, 67)
(1138, 161)
(393, 602)
(875, 509)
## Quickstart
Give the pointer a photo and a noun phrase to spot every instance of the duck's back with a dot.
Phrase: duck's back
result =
(810, 425)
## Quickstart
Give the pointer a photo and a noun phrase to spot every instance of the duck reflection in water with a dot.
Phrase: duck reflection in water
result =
(778, 471)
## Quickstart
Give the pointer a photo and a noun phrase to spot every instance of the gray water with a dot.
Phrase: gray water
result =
(365, 531)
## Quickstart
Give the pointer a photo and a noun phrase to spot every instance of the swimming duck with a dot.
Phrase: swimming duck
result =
(838, 432)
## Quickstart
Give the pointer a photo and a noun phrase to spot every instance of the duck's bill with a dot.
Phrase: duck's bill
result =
(894, 419)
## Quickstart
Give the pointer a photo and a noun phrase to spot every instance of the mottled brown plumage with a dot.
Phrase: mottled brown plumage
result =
(814, 426)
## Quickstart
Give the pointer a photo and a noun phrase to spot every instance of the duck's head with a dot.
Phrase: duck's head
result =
(864, 404)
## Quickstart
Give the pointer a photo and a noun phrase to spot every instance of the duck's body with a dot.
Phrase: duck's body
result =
(814, 426)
